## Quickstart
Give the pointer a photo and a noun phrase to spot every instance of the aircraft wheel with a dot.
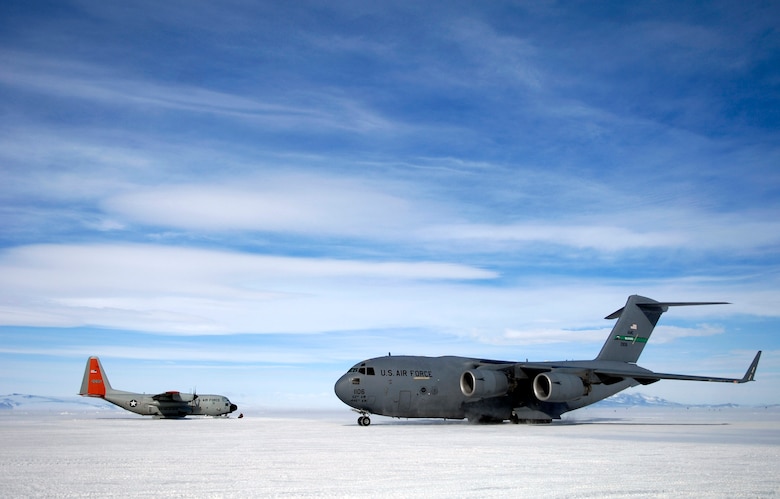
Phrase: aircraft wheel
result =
(364, 421)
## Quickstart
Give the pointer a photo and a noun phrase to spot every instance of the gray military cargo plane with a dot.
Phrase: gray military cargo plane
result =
(521, 392)
(163, 405)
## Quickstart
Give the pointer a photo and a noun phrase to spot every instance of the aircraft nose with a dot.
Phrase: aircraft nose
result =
(233, 407)
(343, 389)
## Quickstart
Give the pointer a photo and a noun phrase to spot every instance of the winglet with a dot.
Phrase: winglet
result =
(751, 372)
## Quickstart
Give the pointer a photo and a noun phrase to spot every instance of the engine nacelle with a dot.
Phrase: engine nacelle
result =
(558, 387)
(483, 383)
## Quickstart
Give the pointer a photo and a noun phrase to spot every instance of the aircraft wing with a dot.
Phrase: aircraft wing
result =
(615, 372)
(646, 377)
(174, 396)
(174, 404)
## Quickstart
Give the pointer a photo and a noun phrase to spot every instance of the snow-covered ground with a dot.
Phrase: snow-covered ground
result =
(608, 452)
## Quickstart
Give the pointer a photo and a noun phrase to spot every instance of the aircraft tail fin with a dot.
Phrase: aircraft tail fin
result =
(636, 321)
(95, 382)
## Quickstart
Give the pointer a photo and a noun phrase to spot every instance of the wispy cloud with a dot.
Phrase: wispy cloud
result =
(312, 109)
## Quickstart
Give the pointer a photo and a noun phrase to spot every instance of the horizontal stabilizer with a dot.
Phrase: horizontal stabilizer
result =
(664, 306)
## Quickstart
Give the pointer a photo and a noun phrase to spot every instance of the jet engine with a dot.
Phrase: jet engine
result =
(558, 387)
(483, 383)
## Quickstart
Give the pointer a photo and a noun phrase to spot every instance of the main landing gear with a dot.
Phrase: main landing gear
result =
(363, 420)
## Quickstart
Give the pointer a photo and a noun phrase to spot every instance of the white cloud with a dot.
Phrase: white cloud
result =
(313, 204)
(190, 291)
(686, 230)
(601, 237)
(669, 334)
(294, 204)
(194, 291)
(553, 336)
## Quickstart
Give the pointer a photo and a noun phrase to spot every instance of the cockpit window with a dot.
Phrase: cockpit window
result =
(363, 370)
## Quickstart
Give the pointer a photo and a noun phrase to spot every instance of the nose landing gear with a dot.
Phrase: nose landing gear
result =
(363, 420)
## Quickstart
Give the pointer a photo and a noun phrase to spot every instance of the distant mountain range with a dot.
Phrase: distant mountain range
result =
(641, 400)
(19, 402)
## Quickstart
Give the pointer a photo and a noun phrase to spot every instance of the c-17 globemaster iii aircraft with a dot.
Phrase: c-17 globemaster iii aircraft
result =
(522, 392)
(162, 405)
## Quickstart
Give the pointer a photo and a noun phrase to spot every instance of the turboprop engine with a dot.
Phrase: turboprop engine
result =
(483, 383)
(558, 387)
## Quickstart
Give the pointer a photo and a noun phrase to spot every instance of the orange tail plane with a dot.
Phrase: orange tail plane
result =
(95, 383)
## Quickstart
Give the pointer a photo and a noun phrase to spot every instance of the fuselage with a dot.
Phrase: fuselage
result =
(432, 387)
(187, 405)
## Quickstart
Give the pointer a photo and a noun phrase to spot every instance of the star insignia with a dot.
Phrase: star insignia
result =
(133, 403)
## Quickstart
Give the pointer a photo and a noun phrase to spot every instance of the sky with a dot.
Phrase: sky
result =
(248, 198)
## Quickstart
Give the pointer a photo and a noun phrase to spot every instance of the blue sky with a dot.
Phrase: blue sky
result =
(249, 197)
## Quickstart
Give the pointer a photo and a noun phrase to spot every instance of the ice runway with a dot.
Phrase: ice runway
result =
(732, 453)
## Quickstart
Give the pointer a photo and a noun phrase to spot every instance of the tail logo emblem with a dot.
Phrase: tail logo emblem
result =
(632, 339)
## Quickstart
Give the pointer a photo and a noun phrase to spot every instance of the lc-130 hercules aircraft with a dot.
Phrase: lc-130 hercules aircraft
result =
(522, 392)
(162, 405)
